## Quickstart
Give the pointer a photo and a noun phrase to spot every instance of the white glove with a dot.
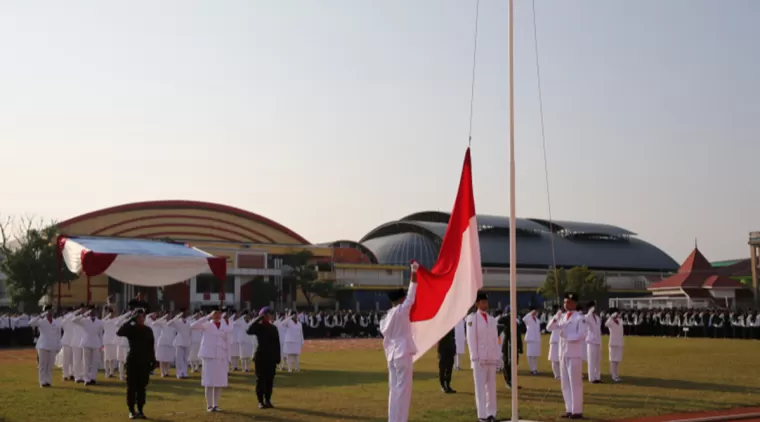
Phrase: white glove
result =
(415, 266)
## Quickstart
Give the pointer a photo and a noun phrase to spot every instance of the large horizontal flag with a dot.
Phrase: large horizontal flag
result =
(446, 292)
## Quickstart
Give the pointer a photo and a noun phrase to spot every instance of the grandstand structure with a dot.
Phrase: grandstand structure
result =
(629, 264)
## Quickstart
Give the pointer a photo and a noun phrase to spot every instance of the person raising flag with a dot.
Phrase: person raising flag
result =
(399, 349)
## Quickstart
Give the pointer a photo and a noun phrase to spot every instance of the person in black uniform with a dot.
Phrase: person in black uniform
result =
(447, 350)
(140, 361)
(506, 347)
(267, 356)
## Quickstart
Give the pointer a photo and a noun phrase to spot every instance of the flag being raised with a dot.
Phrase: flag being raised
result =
(447, 291)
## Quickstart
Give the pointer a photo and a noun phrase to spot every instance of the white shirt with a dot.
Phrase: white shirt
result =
(68, 329)
(483, 338)
(594, 324)
(239, 326)
(92, 332)
(572, 333)
(533, 327)
(156, 326)
(181, 326)
(616, 331)
(293, 332)
(196, 335)
(217, 341)
(50, 333)
(110, 327)
(168, 332)
(396, 328)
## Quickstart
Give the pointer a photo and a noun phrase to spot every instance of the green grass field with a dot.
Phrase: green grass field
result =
(347, 381)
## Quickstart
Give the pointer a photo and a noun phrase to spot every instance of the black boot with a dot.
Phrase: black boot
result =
(449, 389)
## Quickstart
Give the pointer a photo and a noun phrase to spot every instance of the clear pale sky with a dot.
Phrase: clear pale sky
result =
(332, 117)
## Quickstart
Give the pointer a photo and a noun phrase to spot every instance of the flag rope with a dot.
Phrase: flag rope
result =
(543, 144)
(474, 66)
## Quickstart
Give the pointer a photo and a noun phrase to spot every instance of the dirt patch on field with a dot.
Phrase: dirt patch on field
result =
(700, 415)
(11, 356)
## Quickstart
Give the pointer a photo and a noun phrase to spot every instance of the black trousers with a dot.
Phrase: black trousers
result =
(507, 360)
(138, 376)
(445, 368)
(265, 371)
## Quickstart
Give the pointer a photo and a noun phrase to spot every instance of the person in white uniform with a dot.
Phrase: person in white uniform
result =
(77, 357)
(400, 349)
(237, 323)
(485, 354)
(532, 339)
(615, 327)
(67, 360)
(48, 345)
(572, 340)
(584, 350)
(182, 341)
(246, 342)
(280, 324)
(293, 343)
(215, 354)
(165, 350)
(554, 346)
(152, 321)
(594, 344)
(111, 341)
(91, 344)
(195, 345)
(122, 346)
(460, 339)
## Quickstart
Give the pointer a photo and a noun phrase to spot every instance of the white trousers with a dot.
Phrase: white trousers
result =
(400, 388)
(294, 362)
(67, 362)
(594, 362)
(91, 358)
(182, 354)
(571, 370)
(485, 389)
(533, 363)
(77, 363)
(45, 366)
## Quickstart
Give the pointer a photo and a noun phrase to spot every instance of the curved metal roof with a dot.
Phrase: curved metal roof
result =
(352, 245)
(603, 247)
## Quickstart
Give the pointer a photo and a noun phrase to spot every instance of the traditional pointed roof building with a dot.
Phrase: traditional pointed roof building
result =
(697, 279)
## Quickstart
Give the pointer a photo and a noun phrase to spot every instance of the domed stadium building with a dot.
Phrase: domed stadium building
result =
(628, 262)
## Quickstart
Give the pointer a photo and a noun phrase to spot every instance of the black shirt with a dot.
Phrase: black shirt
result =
(141, 345)
(268, 337)
(447, 345)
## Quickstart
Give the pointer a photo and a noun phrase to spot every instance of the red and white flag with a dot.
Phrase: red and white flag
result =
(447, 291)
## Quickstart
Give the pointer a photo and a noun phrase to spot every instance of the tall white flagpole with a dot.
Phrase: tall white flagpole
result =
(512, 217)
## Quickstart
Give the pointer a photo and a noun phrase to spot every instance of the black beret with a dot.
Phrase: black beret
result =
(591, 304)
(532, 308)
(481, 296)
(139, 311)
(395, 295)
(571, 296)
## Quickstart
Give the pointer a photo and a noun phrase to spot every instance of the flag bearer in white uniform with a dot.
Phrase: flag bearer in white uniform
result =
(485, 355)
(111, 324)
(460, 338)
(572, 340)
(293, 343)
(399, 346)
(195, 346)
(182, 342)
(165, 351)
(594, 344)
(554, 346)
(616, 343)
(215, 352)
(48, 345)
(91, 344)
(67, 360)
(77, 359)
(532, 339)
